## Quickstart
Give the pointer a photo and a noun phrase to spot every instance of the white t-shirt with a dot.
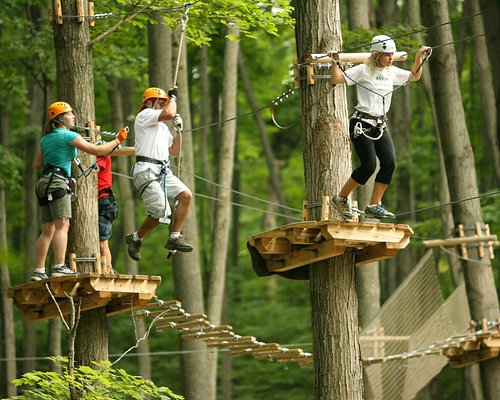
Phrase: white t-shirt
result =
(152, 138)
(381, 82)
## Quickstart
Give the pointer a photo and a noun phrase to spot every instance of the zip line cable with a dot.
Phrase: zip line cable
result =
(490, 194)
(125, 13)
(234, 203)
(427, 28)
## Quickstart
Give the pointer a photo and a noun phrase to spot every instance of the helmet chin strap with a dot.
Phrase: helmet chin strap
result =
(376, 56)
(61, 123)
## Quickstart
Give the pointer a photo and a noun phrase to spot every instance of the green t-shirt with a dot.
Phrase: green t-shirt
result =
(57, 149)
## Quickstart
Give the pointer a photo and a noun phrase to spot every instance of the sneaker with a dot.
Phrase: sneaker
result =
(179, 244)
(62, 271)
(134, 247)
(38, 276)
(378, 211)
(343, 207)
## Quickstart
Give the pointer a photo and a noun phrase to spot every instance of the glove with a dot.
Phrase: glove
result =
(122, 135)
(172, 94)
(178, 123)
(333, 55)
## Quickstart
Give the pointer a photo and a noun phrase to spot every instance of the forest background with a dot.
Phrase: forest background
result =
(271, 309)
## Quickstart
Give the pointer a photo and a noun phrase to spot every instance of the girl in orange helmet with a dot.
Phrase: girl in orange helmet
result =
(57, 149)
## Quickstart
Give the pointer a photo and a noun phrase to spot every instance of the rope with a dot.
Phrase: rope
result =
(184, 21)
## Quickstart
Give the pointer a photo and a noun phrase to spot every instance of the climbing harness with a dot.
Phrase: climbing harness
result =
(53, 172)
(164, 170)
(381, 121)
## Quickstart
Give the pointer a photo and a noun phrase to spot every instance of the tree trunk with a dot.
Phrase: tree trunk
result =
(459, 160)
(486, 91)
(186, 266)
(358, 14)
(225, 177)
(7, 335)
(75, 84)
(206, 105)
(490, 12)
(327, 165)
(159, 53)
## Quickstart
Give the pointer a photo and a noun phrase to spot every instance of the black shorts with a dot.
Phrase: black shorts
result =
(108, 212)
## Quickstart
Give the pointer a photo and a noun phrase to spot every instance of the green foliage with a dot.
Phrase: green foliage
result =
(204, 17)
(10, 169)
(102, 382)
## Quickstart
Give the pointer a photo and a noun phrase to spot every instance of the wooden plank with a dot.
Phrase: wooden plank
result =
(361, 232)
(58, 11)
(303, 236)
(375, 253)
(352, 57)
(272, 245)
(185, 317)
(473, 357)
(119, 284)
(462, 246)
(306, 255)
(281, 231)
(126, 303)
(50, 310)
(325, 208)
(452, 242)
(223, 335)
(206, 329)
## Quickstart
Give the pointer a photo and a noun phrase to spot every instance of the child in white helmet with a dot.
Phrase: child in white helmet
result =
(375, 81)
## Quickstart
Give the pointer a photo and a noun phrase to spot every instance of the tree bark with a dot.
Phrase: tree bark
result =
(490, 12)
(7, 335)
(486, 91)
(358, 14)
(75, 84)
(459, 160)
(222, 221)
(327, 165)
(159, 53)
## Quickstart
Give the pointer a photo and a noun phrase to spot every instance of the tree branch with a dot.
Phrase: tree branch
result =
(125, 19)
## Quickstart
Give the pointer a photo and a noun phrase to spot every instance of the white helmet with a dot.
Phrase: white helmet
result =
(383, 44)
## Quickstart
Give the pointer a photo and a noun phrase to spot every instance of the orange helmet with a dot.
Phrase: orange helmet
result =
(58, 108)
(154, 93)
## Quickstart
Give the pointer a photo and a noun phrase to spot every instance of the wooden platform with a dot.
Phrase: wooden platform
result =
(118, 293)
(302, 243)
(470, 350)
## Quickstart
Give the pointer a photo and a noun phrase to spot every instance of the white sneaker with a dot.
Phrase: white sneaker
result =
(38, 276)
(63, 271)
(378, 211)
